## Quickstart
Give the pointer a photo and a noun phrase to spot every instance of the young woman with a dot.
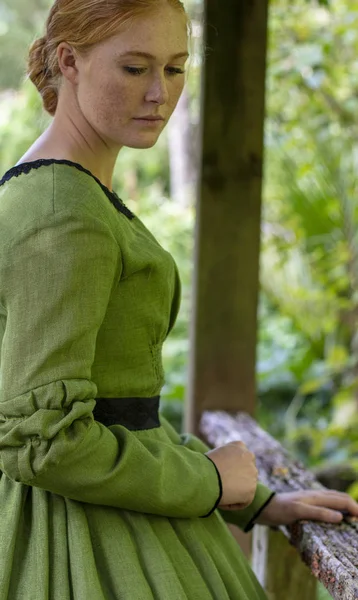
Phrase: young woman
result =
(100, 498)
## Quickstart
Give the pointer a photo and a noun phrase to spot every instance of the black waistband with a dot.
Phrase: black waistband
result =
(133, 413)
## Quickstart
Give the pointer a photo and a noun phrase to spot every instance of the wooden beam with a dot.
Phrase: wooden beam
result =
(226, 274)
(330, 551)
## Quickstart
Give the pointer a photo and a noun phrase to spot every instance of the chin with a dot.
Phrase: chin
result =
(141, 144)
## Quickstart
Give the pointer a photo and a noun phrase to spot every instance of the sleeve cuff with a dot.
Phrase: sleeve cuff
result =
(251, 523)
(220, 488)
(245, 518)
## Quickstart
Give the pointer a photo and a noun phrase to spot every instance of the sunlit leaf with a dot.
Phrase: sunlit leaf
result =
(353, 490)
(309, 387)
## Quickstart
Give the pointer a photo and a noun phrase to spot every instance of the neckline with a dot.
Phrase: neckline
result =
(26, 167)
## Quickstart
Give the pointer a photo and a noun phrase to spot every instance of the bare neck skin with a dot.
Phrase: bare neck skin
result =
(61, 142)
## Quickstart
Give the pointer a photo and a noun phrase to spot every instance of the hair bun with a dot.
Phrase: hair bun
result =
(40, 75)
(37, 60)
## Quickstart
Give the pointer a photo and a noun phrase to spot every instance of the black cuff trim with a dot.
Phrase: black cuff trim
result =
(220, 486)
(250, 525)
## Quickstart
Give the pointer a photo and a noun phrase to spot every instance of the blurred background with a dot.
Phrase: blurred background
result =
(307, 356)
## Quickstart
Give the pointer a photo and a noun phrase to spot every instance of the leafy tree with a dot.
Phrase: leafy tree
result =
(309, 260)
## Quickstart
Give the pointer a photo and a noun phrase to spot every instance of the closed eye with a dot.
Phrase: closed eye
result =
(175, 71)
(141, 70)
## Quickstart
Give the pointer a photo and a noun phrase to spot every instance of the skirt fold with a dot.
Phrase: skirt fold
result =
(55, 548)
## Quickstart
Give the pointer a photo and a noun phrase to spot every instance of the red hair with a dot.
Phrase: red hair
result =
(82, 24)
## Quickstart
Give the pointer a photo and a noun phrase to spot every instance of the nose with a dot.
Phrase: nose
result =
(158, 91)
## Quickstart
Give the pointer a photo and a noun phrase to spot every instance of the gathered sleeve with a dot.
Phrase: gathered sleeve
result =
(56, 279)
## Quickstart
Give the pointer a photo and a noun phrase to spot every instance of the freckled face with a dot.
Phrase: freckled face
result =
(114, 90)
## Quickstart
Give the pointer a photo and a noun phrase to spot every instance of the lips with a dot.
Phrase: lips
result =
(149, 119)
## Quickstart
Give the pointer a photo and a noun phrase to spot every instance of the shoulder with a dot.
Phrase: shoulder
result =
(33, 193)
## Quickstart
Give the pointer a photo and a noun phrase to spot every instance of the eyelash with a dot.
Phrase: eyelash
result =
(140, 71)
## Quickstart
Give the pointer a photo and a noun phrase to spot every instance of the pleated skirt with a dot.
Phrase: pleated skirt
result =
(55, 548)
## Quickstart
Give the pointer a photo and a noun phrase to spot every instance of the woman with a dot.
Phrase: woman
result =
(100, 498)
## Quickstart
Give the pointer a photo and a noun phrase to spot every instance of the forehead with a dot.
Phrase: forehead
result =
(161, 34)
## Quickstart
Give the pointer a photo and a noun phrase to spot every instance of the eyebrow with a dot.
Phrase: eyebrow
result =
(146, 55)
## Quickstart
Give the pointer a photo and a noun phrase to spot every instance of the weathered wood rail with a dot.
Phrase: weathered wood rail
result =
(330, 551)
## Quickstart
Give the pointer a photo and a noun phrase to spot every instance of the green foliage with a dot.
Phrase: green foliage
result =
(310, 247)
(322, 593)
(307, 352)
(20, 22)
(22, 120)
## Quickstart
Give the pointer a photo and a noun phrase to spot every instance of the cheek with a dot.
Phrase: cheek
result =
(106, 101)
(176, 92)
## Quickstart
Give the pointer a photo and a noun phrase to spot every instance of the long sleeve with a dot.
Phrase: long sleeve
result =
(56, 279)
(245, 518)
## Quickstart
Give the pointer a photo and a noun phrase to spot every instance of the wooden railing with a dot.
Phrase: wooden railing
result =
(280, 554)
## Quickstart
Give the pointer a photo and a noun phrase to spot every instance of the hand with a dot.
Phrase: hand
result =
(315, 505)
(237, 468)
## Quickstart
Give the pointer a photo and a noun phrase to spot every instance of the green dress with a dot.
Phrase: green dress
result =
(94, 511)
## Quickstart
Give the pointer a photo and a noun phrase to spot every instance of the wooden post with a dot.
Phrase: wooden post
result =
(226, 277)
(279, 568)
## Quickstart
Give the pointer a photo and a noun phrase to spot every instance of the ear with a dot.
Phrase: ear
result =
(67, 62)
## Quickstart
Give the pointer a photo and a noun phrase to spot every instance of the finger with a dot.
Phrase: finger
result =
(235, 506)
(329, 498)
(350, 505)
(336, 493)
(318, 513)
(337, 500)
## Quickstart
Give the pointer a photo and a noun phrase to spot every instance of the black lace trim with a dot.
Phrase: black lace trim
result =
(133, 413)
(36, 164)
